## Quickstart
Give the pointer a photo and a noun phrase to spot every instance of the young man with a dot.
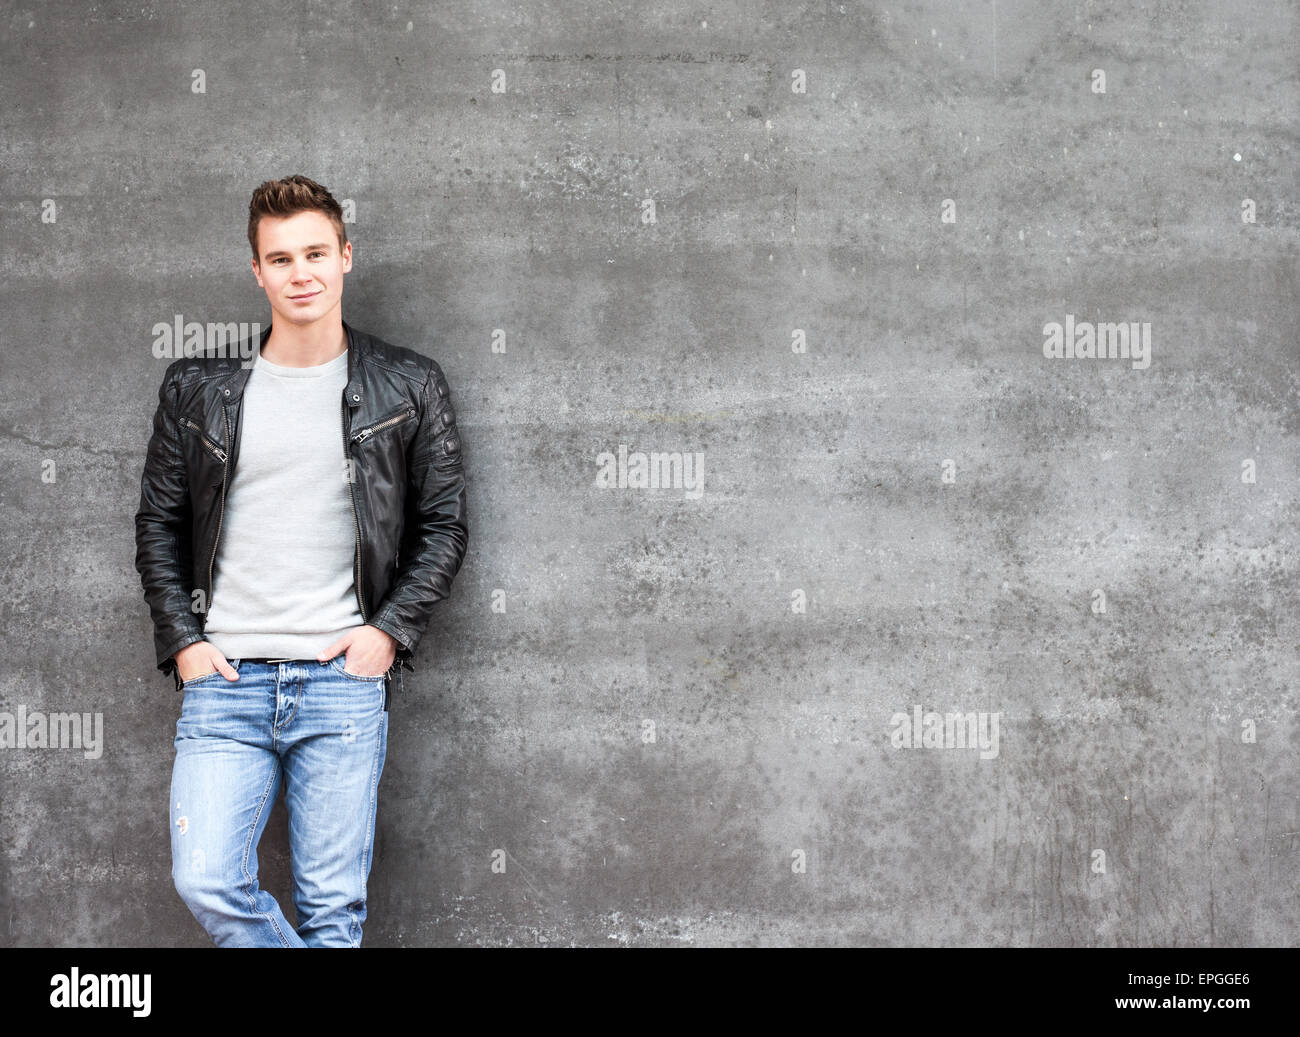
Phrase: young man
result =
(298, 520)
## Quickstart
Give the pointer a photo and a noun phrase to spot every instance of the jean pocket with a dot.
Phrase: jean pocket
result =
(337, 664)
(208, 676)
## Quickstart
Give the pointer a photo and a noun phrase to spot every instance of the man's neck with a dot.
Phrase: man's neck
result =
(310, 346)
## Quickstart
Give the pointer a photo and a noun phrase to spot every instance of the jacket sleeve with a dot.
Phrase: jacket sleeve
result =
(163, 531)
(436, 530)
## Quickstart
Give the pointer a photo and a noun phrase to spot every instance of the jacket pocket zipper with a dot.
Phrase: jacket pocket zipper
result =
(366, 433)
(212, 447)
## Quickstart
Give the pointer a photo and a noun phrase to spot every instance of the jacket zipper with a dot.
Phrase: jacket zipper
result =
(356, 558)
(361, 437)
(366, 433)
(215, 450)
(221, 508)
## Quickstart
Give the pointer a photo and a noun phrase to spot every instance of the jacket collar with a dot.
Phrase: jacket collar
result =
(232, 389)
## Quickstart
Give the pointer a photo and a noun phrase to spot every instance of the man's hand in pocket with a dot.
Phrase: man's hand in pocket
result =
(369, 651)
(200, 659)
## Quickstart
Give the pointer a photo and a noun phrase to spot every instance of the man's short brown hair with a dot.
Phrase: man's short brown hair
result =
(290, 195)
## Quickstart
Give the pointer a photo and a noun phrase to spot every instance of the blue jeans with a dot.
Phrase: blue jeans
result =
(321, 730)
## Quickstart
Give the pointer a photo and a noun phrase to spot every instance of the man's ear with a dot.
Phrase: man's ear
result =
(347, 257)
(257, 272)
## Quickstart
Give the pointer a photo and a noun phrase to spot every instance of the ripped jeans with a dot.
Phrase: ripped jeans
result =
(321, 731)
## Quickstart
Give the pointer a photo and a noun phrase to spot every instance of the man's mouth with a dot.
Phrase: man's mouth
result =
(304, 298)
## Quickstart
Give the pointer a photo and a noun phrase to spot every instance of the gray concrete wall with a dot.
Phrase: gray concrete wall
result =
(681, 728)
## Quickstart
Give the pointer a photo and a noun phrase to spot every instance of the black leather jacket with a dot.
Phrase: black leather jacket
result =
(408, 490)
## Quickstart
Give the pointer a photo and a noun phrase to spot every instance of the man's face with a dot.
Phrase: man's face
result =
(302, 267)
